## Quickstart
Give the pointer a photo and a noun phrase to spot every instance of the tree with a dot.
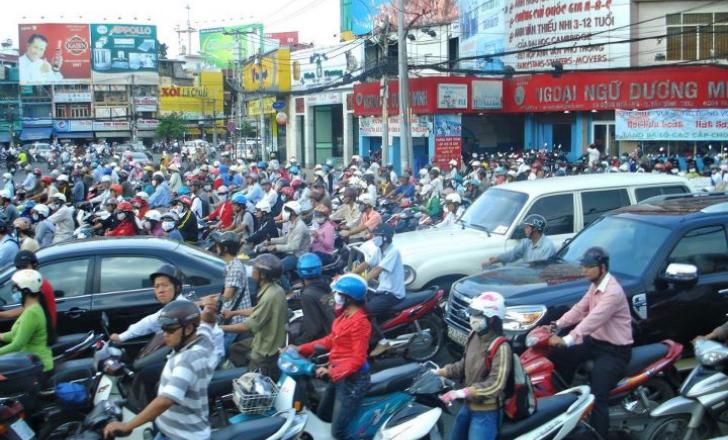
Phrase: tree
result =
(171, 126)
(163, 48)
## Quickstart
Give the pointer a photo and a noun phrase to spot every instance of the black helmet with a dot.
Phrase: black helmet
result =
(229, 240)
(3, 227)
(385, 230)
(536, 221)
(170, 272)
(269, 266)
(25, 259)
(595, 256)
(179, 313)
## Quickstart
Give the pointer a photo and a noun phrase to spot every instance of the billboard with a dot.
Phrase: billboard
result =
(53, 53)
(318, 67)
(221, 47)
(124, 53)
(289, 39)
(194, 102)
(448, 139)
(360, 17)
(272, 74)
(672, 124)
(482, 33)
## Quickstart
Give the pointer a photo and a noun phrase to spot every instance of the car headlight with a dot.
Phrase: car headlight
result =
(523, 318)
(409, 275)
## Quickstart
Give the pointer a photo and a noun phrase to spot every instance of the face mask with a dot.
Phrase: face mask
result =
(338, 299)
(222, 197)
(154, 183)
(478, 324)
(378, 241)
(121, 216)
(34, 217)
(18, 297)
(319, 220)
(54, 206)
(286, 215)
(167, 226)
(147, 225)
(208, 188)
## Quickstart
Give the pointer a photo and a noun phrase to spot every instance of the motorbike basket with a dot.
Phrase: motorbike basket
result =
(255, 402)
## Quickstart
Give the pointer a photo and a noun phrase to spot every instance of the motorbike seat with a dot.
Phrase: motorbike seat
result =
(72, 370)
(643, 356)
(222, 381)
(393, 379)
(414, 298)
(65, 342)
(256, 429)
(546, 409)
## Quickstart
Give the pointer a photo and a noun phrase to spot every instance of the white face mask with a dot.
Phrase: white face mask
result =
(378, 241)
(167, 226)
(338, 299)
(478, 323)
(222, 197)
(286, 215)
(147, 225)
(121, 216)
(319, 220)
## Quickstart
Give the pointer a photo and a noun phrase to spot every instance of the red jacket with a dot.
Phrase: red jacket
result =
(225, 213)
(127, 228)
(348, 345)
(47, 290)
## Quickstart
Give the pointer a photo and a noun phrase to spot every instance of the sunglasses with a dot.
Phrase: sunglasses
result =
(171, 329)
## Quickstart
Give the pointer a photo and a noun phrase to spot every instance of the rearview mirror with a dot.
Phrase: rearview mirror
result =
(679, 273)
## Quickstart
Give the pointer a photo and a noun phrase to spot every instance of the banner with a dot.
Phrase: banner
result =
(71, 125)
(487, 95)
(272, 74)
(482, 33)
(124, 54)
(359, 17)
(222, 47)
(372, 126)
(54, 53)
(194, 102)
(672, 125)
(448, 140)
(312, 68)
(452, 96)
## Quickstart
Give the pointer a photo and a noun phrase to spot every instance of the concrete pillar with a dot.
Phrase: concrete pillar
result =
(348, 147)
(308, 120)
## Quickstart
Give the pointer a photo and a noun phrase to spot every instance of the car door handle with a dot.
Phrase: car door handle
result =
(75, 312)
(723, 292)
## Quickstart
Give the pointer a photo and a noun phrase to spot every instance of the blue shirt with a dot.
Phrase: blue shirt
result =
(44, 233)
(391, 279)
(29, 182)
(255, 194)
(162, 196)
(8, 249)
(526, 251)
(407, 190)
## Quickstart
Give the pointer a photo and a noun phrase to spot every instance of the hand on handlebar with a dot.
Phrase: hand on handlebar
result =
(322, 372)
(116, 429)
(115, 338)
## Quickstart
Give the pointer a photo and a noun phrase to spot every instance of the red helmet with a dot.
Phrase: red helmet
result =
(117, 188)
(47, 180)
(125, 206)
(185, 200)
(288, 191)
(37, 171)
(295, 183)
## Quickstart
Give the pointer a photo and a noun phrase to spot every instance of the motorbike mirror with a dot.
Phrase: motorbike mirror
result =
(680, 274)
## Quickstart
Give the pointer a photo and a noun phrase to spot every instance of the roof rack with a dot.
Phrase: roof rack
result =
(665, 197)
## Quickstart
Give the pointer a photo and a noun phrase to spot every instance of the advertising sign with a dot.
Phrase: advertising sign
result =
(72, 125)
(54, 53)
(452, 96)
(562, 24)
(482, 32)
(372, 126)
(672, 125)
(147, 124)
(289, 39)
(361, 16)
(448, 139)
(66, 97)
(124, 54)
(487, 95)
(273, 74)
(193, 102)
(111, 125)
(318, 67)
(221, 47)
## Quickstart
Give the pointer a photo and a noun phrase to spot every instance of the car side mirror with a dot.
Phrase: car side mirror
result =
(680, 273)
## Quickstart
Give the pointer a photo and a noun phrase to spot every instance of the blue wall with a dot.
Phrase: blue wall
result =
(536, 134)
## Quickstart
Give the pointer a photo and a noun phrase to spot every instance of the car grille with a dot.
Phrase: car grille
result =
(457, 309)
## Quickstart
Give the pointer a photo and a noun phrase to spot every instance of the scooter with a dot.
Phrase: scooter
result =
(650, 378)
(702, 402)
(555, 418)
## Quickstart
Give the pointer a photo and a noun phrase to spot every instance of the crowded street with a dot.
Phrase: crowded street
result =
(364, 219)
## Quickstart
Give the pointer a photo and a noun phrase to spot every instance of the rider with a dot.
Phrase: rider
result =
(44, 229)
(368, 221)
(224, 211)
(127, 226)
(324, 236)
(266, 321)
(180, 409)
(603, 333)
(169, 226)
(347, 212)
(348, 344)
(453, 210)
(62, 217)
(430, 201)
(534, 247)
(235, 295)
(243, 222)
(187, 224)
(152, 223)
(485, 385)
(24, 232)
(265, 225)
(296, 242)
(317, 304)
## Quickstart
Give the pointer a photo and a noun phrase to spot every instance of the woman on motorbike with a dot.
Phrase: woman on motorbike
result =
(24, 232)
(484, 379)
(152, 223)
(127, 226)
(348, 346)
(33, 331)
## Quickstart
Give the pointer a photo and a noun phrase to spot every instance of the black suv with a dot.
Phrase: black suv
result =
(669, 253)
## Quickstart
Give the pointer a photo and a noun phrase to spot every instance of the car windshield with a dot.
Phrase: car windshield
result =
(630, 244)
(494, 210)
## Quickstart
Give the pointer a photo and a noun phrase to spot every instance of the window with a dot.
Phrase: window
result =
(120, 274)
(645, 193)
(705, 248)
(596, 203)
(558, 211)
(6, 290)
(67, 277)
(697, 36)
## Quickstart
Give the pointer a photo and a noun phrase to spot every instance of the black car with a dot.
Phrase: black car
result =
(112, 275)
(670, 255)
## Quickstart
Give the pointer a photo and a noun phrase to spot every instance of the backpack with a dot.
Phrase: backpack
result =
(520, 399)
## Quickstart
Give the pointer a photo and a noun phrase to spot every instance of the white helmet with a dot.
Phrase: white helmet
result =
(426, 189)
(263, 205)
(62, 178)
(365, 199)
(59, 196)
(142, 195)
(453, 163)
(488, 304)
(293, 206)
(105, 179)
(42, 210)
(423, 172)
(5, 194)
(453, 198)
(153, 214)
(28, 279)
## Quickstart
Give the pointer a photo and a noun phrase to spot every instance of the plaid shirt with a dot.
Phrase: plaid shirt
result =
(236, 276)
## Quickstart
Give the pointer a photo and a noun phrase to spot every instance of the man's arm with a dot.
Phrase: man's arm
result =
(514, 254)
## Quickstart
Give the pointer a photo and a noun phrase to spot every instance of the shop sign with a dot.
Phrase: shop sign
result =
(37, 122)
(487, 95)
(672, 125)
(452, 96)
(324, 99)
(271, 74)
(111, 125)
(145, 100)
(667, 87)
(64, 97)
(68, 126)
(372, 126)
(147, 124)
(254, 106)
(423, 96)
(448, 139)
(110, 112)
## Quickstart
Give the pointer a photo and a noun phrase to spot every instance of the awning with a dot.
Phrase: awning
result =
(146, 134)
(76, 135)
(4, 137)
(112, 134)
(36, 134)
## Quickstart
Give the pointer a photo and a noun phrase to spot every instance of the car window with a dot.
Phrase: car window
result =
(68, 277)
(6, 289)
(119, 274)
(558, 211)
(705, 247)
(653, 191)
(596, 203)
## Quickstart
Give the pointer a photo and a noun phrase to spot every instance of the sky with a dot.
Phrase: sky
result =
(316, 20)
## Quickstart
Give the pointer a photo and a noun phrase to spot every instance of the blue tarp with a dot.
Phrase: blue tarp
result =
(36, 134)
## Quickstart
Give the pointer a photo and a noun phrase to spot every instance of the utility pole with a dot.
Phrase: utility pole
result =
(384, 94)
(133, 110)
(261, 122)
(189, 31)
(405, 136)
(214, 123)
(238, 80)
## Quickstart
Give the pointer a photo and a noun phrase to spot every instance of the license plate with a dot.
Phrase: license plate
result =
(457, 336)
(22, 430)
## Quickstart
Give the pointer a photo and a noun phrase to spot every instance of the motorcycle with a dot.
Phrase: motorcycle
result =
(701, 405)
(650, 378)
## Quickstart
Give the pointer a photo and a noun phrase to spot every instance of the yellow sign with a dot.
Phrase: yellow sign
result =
(254, 106)
(203, 100)
(271, 74)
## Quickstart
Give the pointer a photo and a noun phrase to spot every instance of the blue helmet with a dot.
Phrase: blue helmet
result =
(262, 165)
(294, 170)
(239, 199)
(351, 285)
(309, 266)
(183, 191)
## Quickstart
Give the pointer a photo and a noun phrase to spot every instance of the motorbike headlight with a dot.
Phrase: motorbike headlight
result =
(409, 275)
(523, 318)
(710, 353)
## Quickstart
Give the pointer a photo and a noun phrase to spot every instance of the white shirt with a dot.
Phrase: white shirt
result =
(593, 155)
(38, 71)
(391, 279)
(272, 197)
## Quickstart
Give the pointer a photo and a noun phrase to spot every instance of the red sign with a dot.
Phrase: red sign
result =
(52, 53)
(289, 39)
(448, 140)
(663, 87)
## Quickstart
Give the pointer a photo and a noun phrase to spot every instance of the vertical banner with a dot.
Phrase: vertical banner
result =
(124, 53)
(54, 53)
(448, 140)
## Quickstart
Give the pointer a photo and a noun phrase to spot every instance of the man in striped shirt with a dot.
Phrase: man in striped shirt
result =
(180, 410)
